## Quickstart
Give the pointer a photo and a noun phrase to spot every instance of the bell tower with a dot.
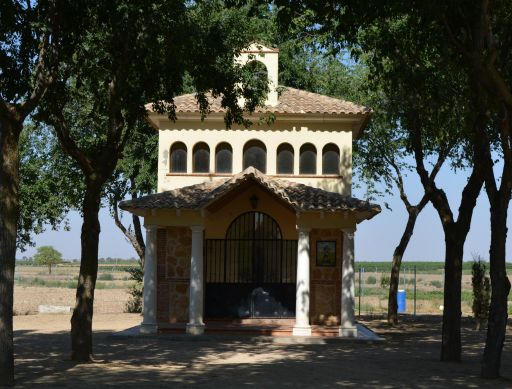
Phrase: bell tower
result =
(268, 57)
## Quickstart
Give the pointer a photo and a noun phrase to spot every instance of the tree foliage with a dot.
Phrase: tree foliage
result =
(426, 100)
(463, 47)
(47, 256)
(35, 37)
(130, 53)
(48, 185)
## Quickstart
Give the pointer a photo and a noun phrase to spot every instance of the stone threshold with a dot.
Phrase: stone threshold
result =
(279, 334)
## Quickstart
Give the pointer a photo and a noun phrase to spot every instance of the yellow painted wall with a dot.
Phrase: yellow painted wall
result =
(218, 221)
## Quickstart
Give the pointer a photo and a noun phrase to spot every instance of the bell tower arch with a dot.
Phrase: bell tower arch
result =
(270, 58)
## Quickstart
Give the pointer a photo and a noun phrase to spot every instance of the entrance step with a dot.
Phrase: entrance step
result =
(255, 321)
(267, 327)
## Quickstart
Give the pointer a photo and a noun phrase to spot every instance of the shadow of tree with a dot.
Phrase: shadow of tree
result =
(409, 357)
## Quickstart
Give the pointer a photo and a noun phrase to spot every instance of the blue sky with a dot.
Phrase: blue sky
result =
(375, 239)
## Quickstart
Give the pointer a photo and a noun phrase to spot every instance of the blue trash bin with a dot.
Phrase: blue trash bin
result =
(400, 300)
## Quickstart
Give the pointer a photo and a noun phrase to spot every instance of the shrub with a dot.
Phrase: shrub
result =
(106, 277)
(481, 293)
(436, 284)
(384, 282)
(136, 291)
(38, 282)
(371, 280)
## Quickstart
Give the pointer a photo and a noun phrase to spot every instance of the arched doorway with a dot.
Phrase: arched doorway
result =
(251, 273)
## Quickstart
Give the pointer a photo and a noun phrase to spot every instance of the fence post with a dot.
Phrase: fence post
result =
(359, 293)
(414, 291)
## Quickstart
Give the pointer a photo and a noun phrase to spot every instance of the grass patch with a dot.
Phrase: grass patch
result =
(436, 284)
(106, 277)
(72, 284)
(436, 267)
(429, 295)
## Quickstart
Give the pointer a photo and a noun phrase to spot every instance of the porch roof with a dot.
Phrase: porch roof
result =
(300, 197)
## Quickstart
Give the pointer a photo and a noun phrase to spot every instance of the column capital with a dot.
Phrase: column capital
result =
(150, 227)
(303, 229)
(197, 228)
(349, 231)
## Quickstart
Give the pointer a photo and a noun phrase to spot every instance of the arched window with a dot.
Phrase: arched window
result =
(254, 225)
(307, 161)
(331, 159)
(255, 154)
(201, 158)
(284, 159)
(178, 158)
(223, 158)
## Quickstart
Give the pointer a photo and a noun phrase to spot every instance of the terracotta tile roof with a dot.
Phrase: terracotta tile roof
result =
(299, 196)
(291, 101)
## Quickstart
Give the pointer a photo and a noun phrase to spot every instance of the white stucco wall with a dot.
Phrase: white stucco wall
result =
(296, 133)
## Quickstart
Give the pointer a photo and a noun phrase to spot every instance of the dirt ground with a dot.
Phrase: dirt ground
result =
(27, 299)
(408, 357)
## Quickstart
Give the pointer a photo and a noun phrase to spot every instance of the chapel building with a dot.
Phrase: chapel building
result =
(258, 222)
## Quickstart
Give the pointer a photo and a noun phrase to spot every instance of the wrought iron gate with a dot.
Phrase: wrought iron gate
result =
(251, 273)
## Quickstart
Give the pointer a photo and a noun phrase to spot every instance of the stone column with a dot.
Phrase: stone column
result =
(302, 327)
(348, 322)
(148, 325)
(195, 324)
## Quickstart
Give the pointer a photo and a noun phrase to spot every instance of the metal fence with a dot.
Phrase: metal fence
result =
(421, 291)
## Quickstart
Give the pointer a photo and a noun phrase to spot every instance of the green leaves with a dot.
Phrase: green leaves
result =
(47, 255)
(50, 183)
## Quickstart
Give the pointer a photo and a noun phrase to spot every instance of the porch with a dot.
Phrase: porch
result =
(220, 254)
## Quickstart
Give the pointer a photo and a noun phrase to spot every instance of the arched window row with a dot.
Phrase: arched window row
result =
(255, 154)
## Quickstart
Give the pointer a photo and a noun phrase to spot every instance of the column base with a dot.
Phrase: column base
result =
(148, 328)
(348, 332)
(301, 331)
(195, 329)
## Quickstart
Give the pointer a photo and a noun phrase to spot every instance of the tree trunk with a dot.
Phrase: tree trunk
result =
(81, 321)
(137, 230)
(141, 246)
(50, 269)
(397, 262)
(500, 287)
(451, 342)
(9, 214)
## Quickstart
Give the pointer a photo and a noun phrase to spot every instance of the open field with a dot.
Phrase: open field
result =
(431, 267)
(26, 299)
(372, 280)
(429, 292)
(34, 286)
(408, 357)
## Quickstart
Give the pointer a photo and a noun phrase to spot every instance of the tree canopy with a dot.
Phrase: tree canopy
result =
(445, 67)
(47, 256)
